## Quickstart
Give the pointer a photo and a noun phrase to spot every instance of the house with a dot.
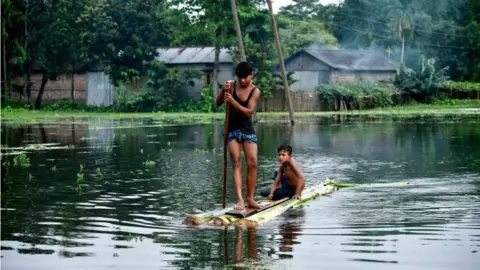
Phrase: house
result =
(200, 58)
(313, 67)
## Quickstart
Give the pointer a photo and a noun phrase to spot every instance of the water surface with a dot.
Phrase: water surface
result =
(113, 193)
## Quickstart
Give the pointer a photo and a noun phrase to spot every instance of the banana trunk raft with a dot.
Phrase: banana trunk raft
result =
(221, 218)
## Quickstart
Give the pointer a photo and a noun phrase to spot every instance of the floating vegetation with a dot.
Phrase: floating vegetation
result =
(135, 237)
(13, 153)
(87, 138)
(53, 169)
(99, 172)
(149, 163)
(469, 107)
(107, 149)
(79, 189)
(80, 175)
(21, 160)
(200, 151)
(39, 147)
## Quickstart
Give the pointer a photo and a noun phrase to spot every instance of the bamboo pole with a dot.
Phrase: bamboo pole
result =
(225, 135)
(282, 64)
(238, 30)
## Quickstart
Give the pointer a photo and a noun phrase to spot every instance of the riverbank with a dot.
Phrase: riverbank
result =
(466, 107)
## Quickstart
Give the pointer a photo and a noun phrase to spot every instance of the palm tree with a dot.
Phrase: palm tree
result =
(402, 20)
(282, 64)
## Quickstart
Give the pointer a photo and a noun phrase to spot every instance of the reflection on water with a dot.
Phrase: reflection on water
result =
(112, 193)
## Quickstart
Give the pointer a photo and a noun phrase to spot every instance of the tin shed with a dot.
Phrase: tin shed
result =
(313, 67)
(200, 58)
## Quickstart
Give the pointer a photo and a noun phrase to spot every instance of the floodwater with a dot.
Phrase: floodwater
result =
(113, 194)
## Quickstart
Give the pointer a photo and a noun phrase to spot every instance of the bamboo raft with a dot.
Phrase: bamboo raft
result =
(221, 218)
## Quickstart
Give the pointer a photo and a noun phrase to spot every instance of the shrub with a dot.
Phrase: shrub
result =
(421, 86)
(461, 89)
(360, 94)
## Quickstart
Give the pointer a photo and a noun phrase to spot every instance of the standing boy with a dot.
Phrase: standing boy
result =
(241, 133)
(289, 175)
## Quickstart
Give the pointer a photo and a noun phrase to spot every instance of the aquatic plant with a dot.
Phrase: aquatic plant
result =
(99, 172)
(149, 163)
(21, 160)
(79, 177)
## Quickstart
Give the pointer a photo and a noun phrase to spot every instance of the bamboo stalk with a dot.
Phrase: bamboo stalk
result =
(282, 63)
(254, 220)
(219, 218)
(236, 23)
(225, 135)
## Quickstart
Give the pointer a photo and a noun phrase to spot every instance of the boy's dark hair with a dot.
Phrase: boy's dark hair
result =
(286, 148)
(243, 69)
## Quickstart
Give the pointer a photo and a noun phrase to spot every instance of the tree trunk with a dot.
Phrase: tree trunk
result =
(72, 93)
(282, 64)
(26, 81)
(215, 73)
(403, 47)
(38, 102)
(28, 84)
(6, 85)
(238, 30)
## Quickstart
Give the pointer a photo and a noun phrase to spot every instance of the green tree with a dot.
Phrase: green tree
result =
(301, 9)
(124, 35)
(401, 15)
(298, 34)
(469, 64)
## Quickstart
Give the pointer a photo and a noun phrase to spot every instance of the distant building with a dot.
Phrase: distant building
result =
(313, 67)
(200, 58)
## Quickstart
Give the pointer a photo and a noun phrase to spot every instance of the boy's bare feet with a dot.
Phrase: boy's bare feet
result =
(239, 206)
(253, 204)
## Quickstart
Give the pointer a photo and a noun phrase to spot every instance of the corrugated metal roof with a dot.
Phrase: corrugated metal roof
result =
(351, 60)
(192, 55)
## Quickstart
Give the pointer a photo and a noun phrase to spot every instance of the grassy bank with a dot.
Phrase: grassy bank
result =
(464, 107)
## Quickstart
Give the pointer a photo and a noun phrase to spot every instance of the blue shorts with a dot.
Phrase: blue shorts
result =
(237, 134)
(284, 192)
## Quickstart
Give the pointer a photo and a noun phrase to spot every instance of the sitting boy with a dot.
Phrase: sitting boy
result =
(288, 175)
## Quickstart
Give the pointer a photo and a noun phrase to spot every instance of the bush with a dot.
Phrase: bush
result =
(461, 89)
(133, 101)
(422, 86)
(362, 94)
(68, 105)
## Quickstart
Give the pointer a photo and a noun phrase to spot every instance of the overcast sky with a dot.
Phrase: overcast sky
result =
(277, 4)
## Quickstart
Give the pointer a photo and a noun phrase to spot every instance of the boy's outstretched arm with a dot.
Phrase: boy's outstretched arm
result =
(275, 184)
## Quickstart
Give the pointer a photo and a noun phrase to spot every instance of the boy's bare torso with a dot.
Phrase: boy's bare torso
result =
(291, 175)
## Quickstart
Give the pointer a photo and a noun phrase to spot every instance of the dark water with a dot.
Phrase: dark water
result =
(129, 216)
